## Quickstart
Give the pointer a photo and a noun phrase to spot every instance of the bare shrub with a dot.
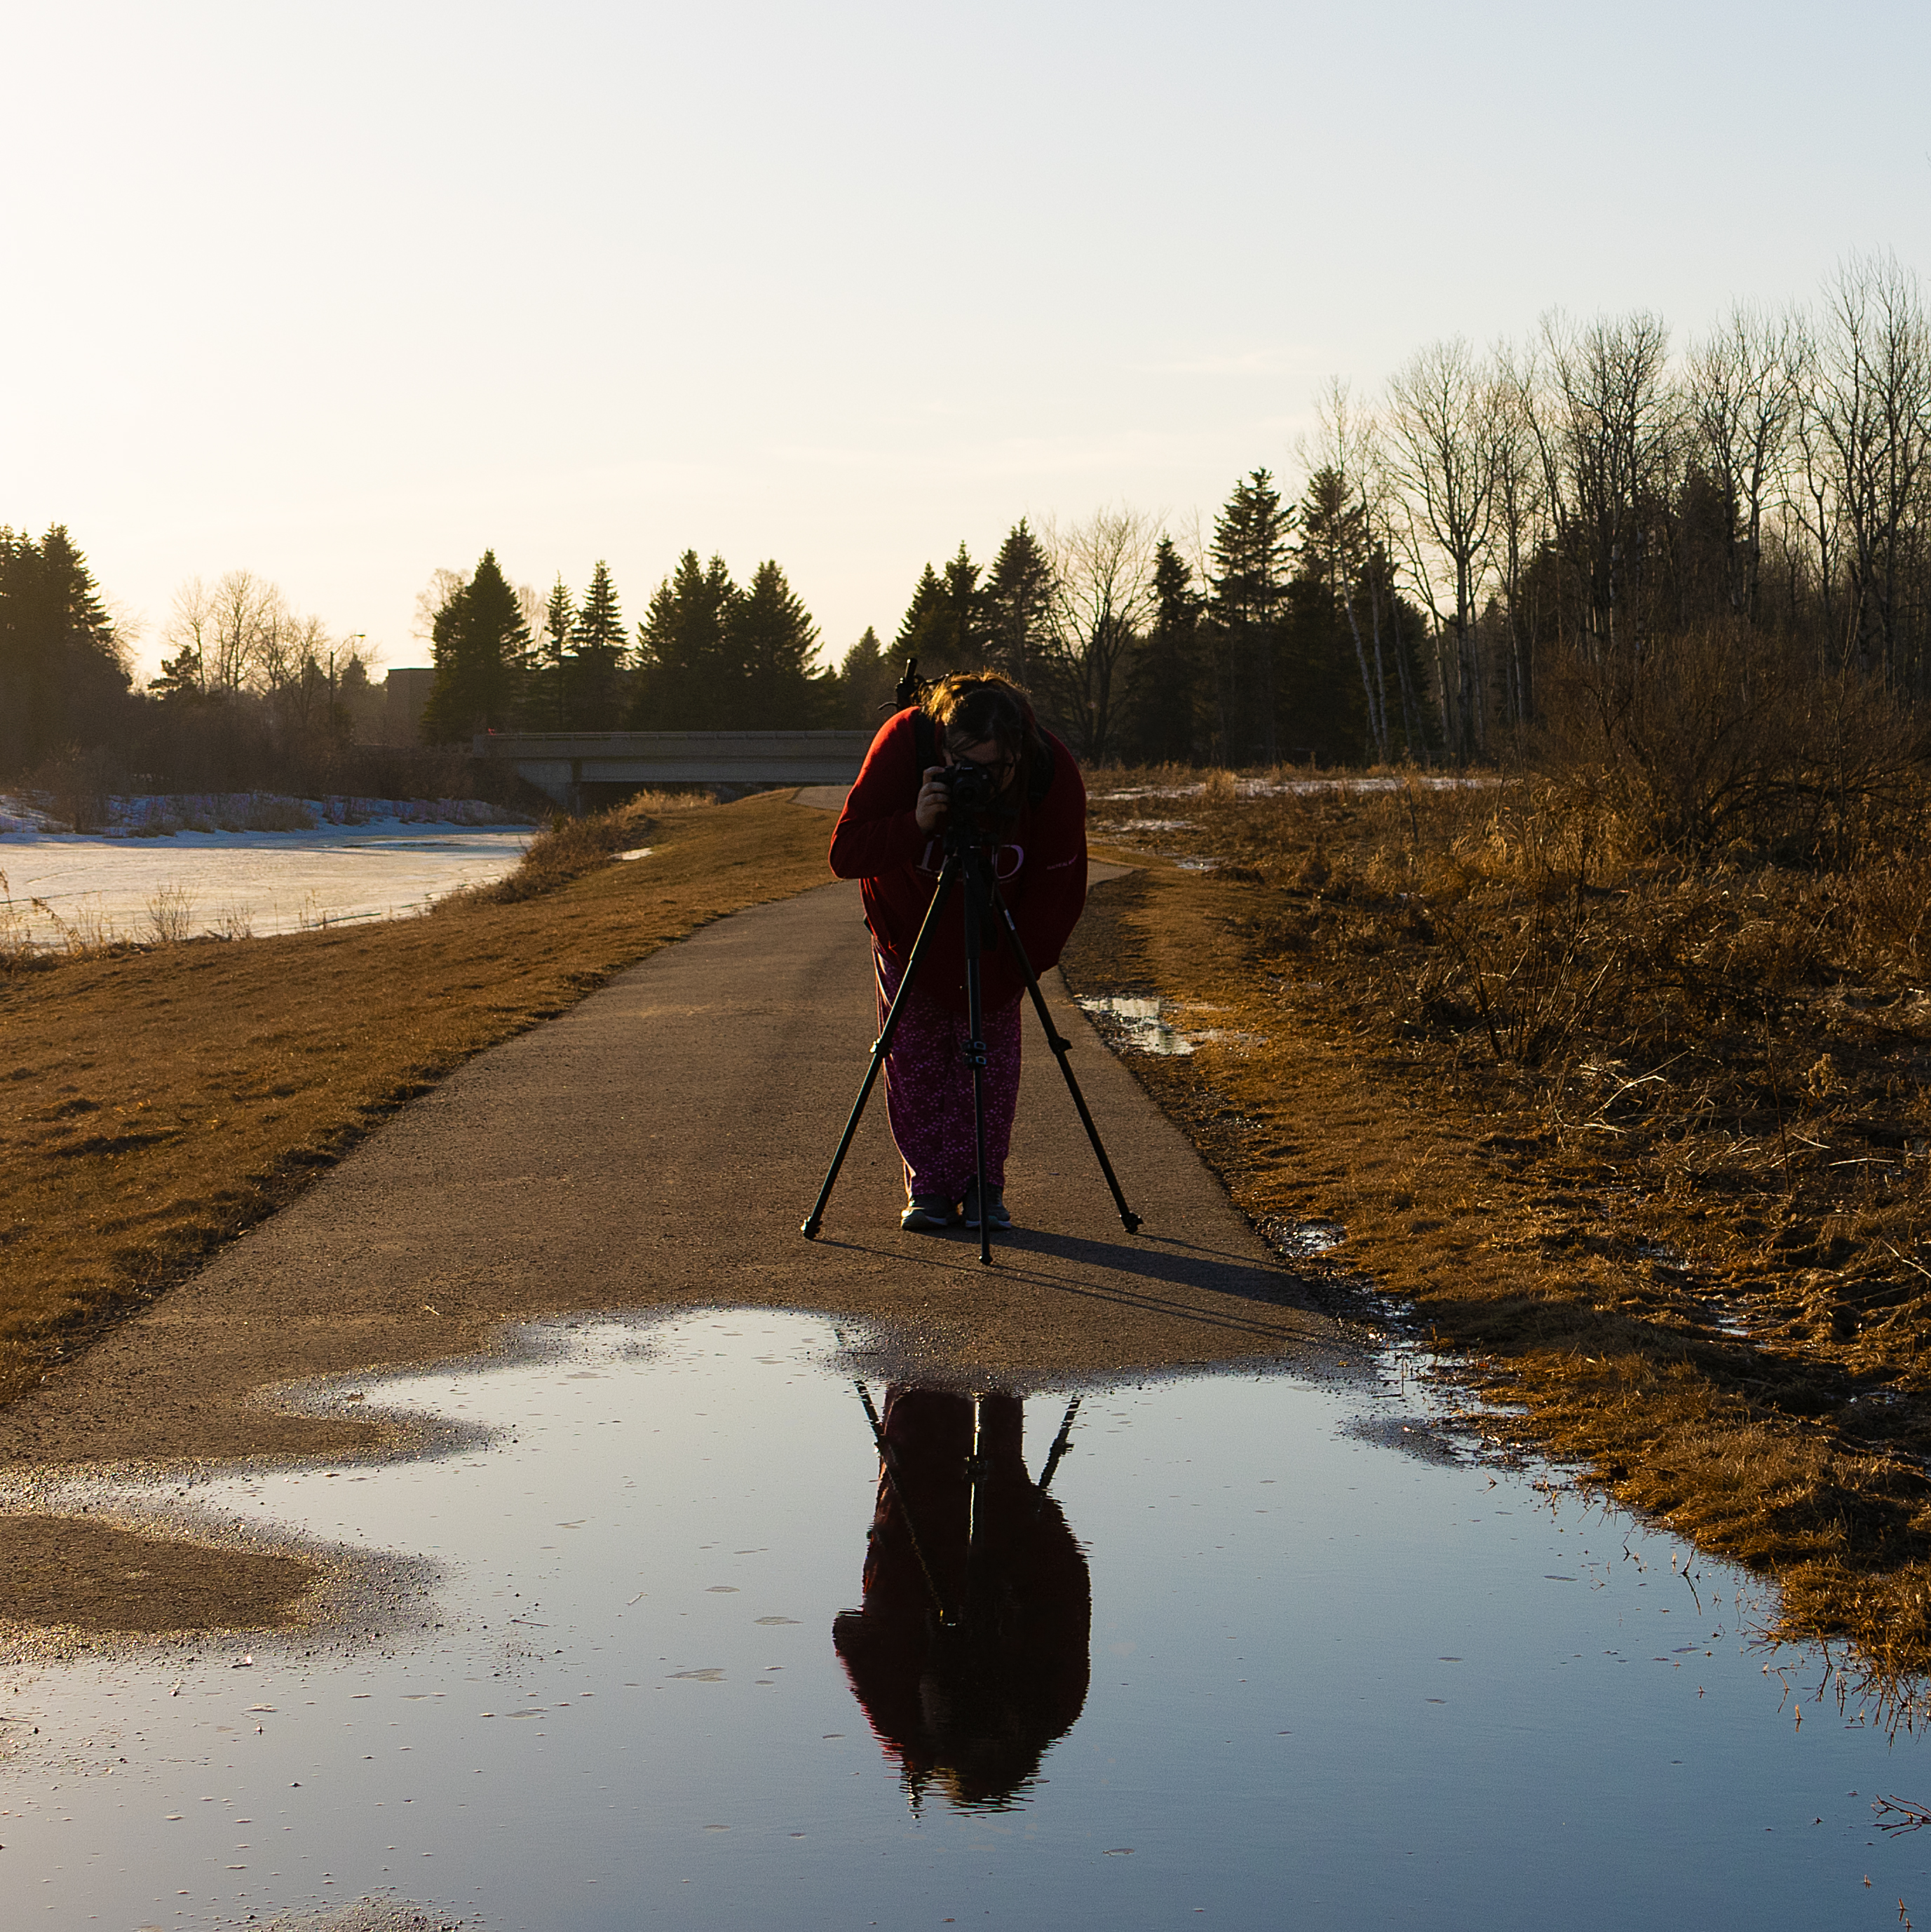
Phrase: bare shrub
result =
(14, 945)
(152, 818)
(88, 933)
(170, 915)
(79, 788)
(265, 812)
(1727, 736)
(1885, 905)
(654, 801)
(566, 849)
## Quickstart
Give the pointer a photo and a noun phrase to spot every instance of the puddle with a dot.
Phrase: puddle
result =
(1239, 1663)
(1136, 1025)
(1312, 787)
(1302, 1240)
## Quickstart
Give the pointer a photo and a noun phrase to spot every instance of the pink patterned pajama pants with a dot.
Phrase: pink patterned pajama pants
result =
(928, 1087)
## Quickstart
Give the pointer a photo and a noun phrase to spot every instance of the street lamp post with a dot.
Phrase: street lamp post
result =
(353, 638)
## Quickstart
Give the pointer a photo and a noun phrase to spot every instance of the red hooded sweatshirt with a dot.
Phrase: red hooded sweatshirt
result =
(1041, 862)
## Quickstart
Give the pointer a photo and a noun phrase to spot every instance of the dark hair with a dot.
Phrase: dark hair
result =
(979, 707)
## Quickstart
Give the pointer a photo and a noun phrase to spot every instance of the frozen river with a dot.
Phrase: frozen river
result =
(241, 883)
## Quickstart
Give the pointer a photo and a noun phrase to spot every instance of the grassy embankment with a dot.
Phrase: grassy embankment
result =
(158, 1100)
(1646, 1139)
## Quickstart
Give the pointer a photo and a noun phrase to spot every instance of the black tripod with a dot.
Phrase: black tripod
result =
(967, 858)
(977, 1467)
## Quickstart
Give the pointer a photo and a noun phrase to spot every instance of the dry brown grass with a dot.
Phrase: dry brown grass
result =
(154, 1102)
(1644, 1139)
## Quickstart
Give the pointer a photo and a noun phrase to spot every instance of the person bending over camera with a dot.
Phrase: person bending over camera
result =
(890, 837)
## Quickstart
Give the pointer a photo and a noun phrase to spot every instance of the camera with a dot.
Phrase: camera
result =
(969, 787)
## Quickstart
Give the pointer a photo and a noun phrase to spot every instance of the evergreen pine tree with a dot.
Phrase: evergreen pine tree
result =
(1018, 600)
(63, 675)
(546, 704)
(597, 642)
(1163, 724)
(968, 614)
(920, 629)
(867, 681)
(947, 625)
(1334, 636)
(180, 679)
(1250, 580)
(773, 639)
(687, 680)
(478, 638)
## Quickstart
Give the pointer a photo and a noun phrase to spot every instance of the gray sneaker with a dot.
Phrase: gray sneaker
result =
(996, 1215)
(926, 1214)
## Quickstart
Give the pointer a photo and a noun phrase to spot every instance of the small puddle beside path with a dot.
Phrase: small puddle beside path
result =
(687, 1665)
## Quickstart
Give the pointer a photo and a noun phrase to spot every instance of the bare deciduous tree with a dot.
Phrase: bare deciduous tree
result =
(1441, 419)
(247, 618)
(434, 595)
(188, 633)
(1101, 603)
(1519, 522)
(1870, 418)
(1742, 394)
(1606, 427)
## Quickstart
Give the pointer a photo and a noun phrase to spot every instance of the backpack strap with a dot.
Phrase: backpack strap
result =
(1040, 780)
(925, 743)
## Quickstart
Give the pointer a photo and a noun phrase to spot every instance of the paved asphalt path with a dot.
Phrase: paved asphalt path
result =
(658, 1147)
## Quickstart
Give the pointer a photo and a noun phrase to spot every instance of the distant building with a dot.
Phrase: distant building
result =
(407, 692)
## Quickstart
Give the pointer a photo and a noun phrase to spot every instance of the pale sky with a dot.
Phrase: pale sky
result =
(341, 295)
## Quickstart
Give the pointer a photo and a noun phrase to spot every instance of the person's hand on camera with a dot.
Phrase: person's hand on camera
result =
(933, 802)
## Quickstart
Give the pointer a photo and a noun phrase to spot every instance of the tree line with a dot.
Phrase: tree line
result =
(1131, 652)
(252, 694)
(1570, 525)
(709, 654)
(1574, 534)
(1565, 506)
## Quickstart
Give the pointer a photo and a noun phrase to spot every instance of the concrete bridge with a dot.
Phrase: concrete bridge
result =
(582, 769)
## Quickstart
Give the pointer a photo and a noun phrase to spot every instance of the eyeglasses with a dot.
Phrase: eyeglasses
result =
(1006, 762)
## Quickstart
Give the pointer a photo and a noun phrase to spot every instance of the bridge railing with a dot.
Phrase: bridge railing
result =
(561, 762)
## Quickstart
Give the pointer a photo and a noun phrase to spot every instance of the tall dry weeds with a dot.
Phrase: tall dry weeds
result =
(1695, 1073)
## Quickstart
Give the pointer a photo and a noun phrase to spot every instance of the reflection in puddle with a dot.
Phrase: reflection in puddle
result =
(1210, 1654)
(970, 1654)
(1136, 1024)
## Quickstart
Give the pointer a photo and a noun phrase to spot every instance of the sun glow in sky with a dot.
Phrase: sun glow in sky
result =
(341, 295)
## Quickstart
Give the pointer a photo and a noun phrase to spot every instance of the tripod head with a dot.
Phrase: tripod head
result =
(976, 797)
(911, 686)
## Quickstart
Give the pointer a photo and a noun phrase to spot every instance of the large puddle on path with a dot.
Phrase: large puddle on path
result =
(1325, 1684)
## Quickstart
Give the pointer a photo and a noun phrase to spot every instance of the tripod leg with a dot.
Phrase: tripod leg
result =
(888, 1459)
(1061, 1443)
(975, 1054)
(814, 1220)
(1061, 1047)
